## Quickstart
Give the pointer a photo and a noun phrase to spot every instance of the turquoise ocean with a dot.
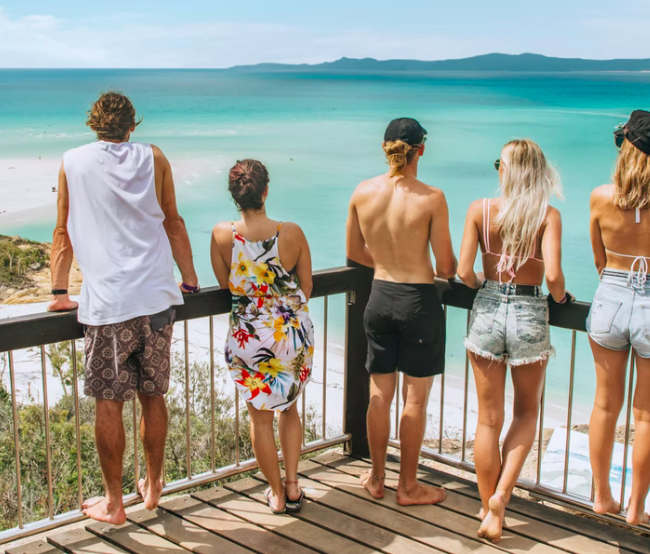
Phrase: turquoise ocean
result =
(320, 134)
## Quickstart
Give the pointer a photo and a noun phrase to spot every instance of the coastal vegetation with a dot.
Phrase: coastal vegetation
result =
(31, 429)
(19, 258)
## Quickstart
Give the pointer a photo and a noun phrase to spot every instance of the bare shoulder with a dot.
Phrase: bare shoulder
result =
(159, 158)
(367, 187)
(432, 195)
(222, 232)
(292, 231)
(475, 211)
(553, 216)
(602, 194)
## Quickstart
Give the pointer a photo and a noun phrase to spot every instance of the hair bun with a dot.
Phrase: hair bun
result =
(247, 182)
(398, 155)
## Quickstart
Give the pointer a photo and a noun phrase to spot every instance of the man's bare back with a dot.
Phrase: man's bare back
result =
(398, 218)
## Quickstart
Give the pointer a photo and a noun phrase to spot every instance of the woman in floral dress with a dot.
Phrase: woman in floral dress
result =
(270, 344)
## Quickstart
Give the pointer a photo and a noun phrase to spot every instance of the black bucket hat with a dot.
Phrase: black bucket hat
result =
(405, 129)
(636, 130)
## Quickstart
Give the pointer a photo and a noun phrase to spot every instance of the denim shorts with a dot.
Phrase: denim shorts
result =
(509, 327)
(620, 313)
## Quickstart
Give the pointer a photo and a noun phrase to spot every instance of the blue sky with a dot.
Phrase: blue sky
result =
(165, 33)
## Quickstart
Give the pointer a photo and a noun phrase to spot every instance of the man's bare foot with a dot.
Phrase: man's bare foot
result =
(481, 514)
(492, 526)
(420, 494)
(100, 509)
(637, 516)
(606, 505)
(150, 493)
(373, 484)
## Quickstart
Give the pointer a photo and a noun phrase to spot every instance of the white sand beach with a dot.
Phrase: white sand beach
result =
(28, 377)
(26, 189)
(28, 185)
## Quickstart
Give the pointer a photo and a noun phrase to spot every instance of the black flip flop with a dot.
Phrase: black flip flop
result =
(294, 506)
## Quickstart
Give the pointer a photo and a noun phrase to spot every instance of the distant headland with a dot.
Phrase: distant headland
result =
(486, 62)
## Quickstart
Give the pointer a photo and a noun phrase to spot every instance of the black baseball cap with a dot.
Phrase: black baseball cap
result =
(636, 130)
(405, 129)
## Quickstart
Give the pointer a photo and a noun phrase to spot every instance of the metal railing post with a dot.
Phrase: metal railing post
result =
(357, 383)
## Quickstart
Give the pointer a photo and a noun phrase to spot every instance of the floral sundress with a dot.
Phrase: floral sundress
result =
(270, 343)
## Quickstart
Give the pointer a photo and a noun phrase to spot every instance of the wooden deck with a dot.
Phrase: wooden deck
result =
(339, 517)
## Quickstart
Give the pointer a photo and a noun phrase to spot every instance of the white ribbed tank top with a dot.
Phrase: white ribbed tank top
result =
(115, 224)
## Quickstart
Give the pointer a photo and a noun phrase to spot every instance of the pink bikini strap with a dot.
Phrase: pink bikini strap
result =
(486, 225)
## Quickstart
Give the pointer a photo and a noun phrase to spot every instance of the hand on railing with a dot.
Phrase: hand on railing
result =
(62, 303)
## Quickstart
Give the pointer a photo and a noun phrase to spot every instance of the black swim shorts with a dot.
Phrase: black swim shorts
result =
(405, 326)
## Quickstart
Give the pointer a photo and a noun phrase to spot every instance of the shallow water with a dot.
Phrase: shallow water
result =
(320, 135)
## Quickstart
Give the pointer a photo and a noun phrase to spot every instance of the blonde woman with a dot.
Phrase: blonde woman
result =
(620, 314)
(520, 239)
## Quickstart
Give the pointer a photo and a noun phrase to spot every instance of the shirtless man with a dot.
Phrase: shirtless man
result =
(392, 220)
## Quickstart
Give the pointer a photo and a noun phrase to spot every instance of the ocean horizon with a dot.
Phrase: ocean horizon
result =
(319, 135)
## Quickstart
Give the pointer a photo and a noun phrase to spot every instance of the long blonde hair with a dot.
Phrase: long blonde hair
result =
(527, 182)
(398, 155)
(632, 178)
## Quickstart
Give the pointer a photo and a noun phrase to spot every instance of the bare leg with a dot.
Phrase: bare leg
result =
(153, 432)
(266, 452)
(611, 367)
(636, 513)
(109, 436)
(412, 426)
(382, 390)
(290, 430)
(528, 381)
(490, 378)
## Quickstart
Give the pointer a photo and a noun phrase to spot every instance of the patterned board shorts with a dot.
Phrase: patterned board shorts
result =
(124, 357)
(509, 327)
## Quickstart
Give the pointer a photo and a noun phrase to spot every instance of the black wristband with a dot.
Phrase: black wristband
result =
(58, 292)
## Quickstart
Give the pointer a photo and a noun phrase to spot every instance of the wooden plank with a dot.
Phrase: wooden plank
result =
(354, 529)
(524, 526)
(411, 528)
(135, 539)
(452, 532)
(330, 511)
(253, 508)
(231, 527)
(81, 541)
(183, 533)
(591, 528)
(34, 547)
(433, 520)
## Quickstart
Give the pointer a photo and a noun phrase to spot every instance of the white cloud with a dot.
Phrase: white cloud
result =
(139, 40)
(129, 40)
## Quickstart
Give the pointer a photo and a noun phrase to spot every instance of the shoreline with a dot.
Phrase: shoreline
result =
(27, 189)
(28, 186)
(29, 376)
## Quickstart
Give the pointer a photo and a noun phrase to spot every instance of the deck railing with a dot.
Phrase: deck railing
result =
(354, 281)
(39, 330)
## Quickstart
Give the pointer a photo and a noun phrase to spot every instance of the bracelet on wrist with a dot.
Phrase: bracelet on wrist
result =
(59, 292)
(190, 289)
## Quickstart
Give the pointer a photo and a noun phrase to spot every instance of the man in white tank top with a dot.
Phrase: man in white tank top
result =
(117, 211)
